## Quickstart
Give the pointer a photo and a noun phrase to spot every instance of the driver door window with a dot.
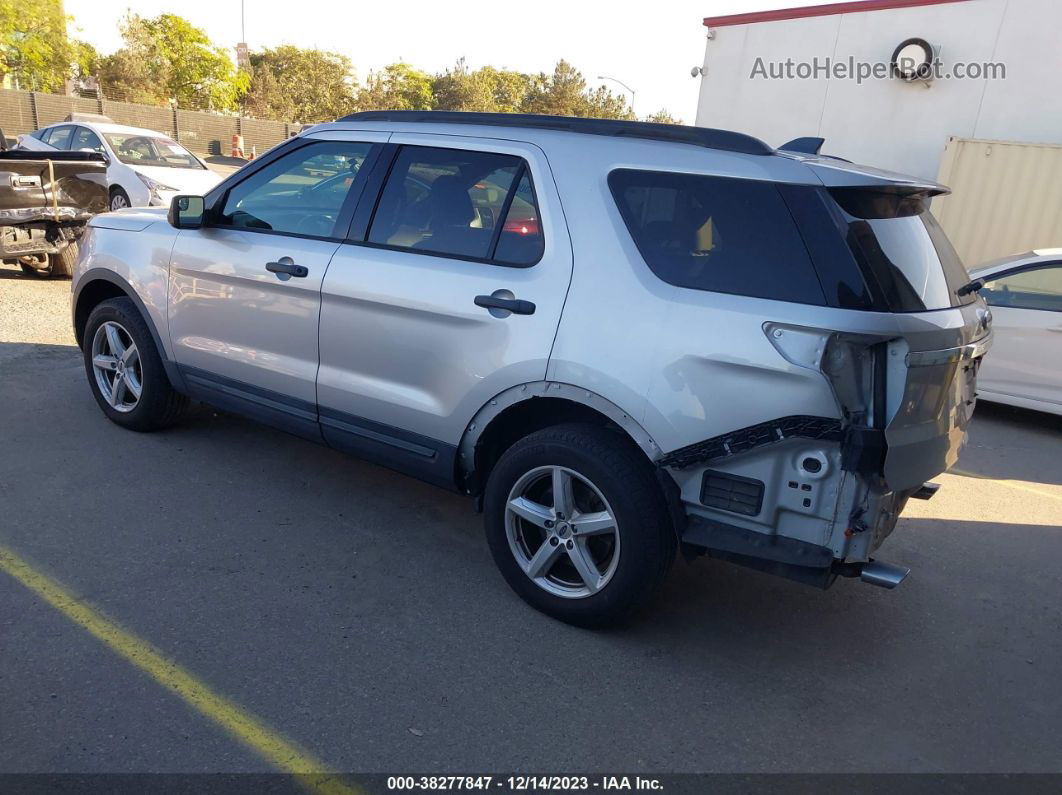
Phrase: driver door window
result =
(84, 138)
(302, 193)
(1035, 288)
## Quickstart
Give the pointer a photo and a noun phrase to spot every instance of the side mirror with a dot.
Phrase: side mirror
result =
(186, 212)
(89, 149)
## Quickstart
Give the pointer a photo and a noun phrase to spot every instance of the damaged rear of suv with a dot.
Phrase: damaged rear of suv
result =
(620, 338)
(861, 389)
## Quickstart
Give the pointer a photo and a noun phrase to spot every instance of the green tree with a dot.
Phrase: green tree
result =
(398, 87)
(85, 58)
(564, 93)
(662, 117)
(487, 90)
(293, 84)
(34, 48)
(167, 59)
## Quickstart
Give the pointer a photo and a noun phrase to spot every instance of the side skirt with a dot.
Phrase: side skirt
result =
(410, 454)
(287, 414)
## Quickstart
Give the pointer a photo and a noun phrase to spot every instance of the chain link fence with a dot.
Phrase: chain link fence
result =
(200, 131)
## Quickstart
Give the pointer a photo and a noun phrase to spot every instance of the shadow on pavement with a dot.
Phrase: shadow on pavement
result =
(346, 604)
(1008, 443)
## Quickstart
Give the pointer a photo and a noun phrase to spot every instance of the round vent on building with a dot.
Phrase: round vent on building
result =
(913, 59)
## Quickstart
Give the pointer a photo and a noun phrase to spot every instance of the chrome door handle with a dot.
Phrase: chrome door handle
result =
(286, 265)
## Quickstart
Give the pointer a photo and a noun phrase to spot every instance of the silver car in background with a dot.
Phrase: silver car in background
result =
(622, 339)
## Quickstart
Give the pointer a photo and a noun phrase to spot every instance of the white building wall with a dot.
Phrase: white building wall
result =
(890, 123)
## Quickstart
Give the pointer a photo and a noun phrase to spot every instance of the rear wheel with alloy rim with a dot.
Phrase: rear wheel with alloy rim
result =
(578, 524)
(562, 532)
(125, 371)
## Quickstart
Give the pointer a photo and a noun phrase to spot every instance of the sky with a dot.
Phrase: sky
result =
(649, 45)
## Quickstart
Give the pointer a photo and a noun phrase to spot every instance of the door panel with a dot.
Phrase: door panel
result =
(1026, 356)
(232, 317)
(405, 350)
(244, 299)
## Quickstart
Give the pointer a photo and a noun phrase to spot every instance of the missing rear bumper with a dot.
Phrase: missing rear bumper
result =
(790, 558)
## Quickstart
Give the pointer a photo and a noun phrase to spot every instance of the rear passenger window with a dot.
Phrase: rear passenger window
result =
(520, 241)
(59, 137)
(478, 205)
(716, 233)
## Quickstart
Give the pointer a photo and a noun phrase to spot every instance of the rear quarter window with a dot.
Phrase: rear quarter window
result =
(718, 234)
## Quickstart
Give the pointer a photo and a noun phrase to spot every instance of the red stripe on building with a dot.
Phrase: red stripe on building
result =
(819, 11)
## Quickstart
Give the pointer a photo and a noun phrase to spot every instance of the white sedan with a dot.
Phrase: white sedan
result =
(144, 168)
(1024, 367)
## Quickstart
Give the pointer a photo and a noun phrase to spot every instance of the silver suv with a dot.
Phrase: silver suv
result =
(621, 339)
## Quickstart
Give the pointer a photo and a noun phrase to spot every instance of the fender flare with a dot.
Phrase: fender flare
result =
(102, 274)
(481, 420)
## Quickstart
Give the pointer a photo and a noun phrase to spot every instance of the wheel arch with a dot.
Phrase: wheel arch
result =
(98, 285)
(525, 408)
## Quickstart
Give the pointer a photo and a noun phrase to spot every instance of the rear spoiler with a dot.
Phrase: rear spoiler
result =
(836, 172)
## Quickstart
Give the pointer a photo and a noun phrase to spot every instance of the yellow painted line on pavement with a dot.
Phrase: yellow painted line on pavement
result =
(1009, 483)
(252, 732)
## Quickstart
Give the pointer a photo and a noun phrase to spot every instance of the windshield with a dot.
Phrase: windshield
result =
(135, 149)
(902, 248)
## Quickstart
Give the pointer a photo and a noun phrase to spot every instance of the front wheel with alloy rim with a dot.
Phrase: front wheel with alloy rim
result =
(577, 523)
(119, 199)
(125, 371)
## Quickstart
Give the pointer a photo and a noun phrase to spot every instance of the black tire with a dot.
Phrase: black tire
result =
(121, 195)
(625, 478)
(63, 262)
(159, 405)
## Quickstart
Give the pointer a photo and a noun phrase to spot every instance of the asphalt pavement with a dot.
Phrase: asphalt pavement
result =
(357, 613)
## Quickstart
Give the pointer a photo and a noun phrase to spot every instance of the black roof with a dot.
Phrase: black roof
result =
(678, 133)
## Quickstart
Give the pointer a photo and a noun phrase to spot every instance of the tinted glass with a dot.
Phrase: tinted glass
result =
(1036, 288)
(84, 138)
(300, 193)
(446, 201)
(151, 150)
(839, 274)
(59, 137)
(718, 234)
(902, 249)
(520, 241)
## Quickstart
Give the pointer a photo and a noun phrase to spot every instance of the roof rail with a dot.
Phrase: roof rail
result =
(678, 133)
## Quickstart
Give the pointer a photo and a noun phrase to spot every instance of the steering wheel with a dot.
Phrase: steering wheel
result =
(316, 225)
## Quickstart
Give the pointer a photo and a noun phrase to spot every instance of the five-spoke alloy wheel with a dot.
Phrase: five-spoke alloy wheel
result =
(578, 524)
(125, 370)
(116, 365)
(562, 532)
